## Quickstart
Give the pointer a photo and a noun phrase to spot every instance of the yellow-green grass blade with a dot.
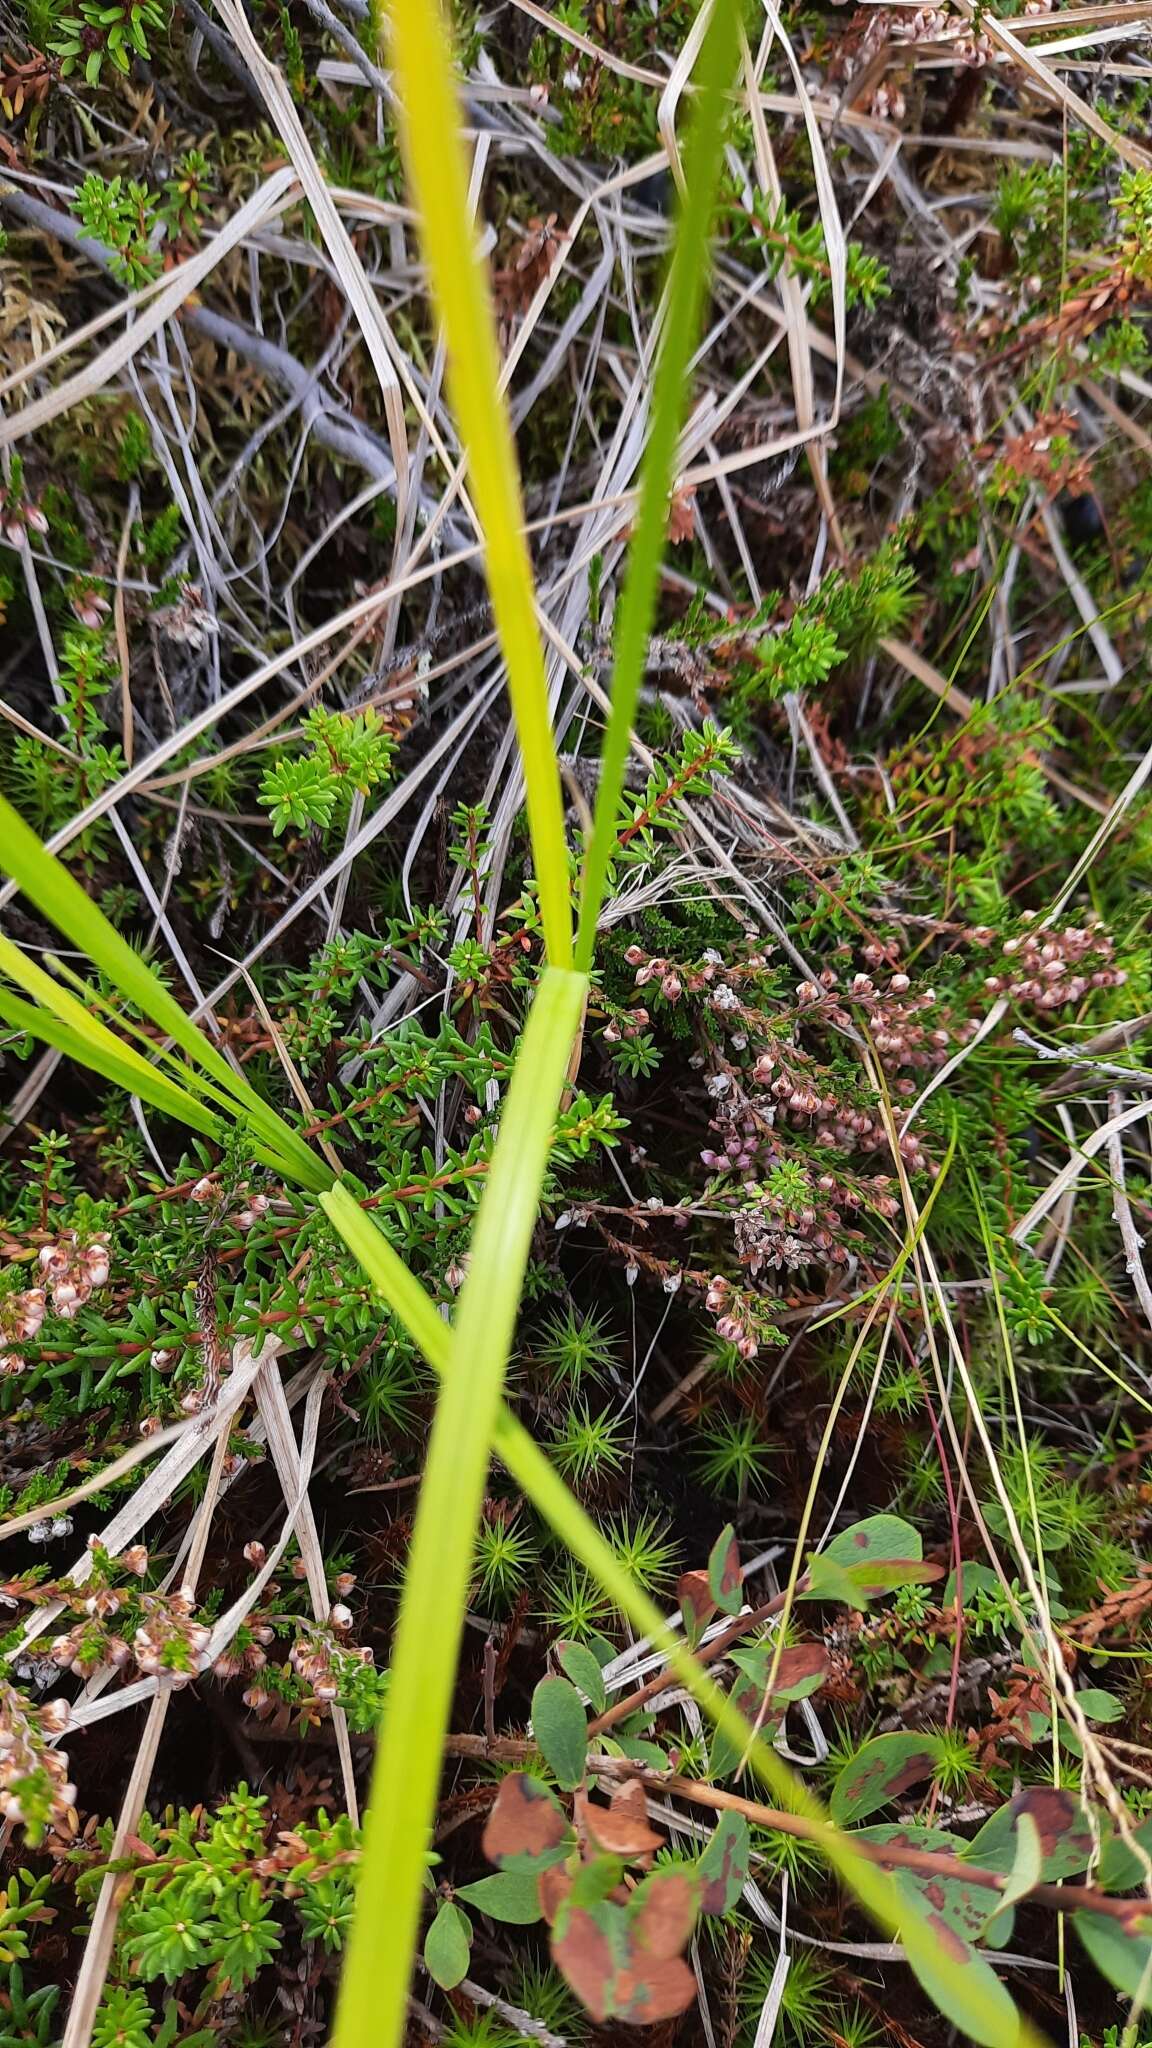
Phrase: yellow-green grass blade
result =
(685, 296)
(59, 897)
(73, 1024)
(117, 1063)
(373, 2006)
(273, 1138)
(431, 124)
(31, 1020)
(389, 1275)
(85, 1031)
(527, 1464)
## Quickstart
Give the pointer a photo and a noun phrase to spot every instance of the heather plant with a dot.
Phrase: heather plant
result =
(538, 1080)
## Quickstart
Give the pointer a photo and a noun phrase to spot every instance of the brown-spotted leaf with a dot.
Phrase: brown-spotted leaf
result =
(881, 1771)
(965, 1906)
(911, 1835)
(879, 1537)
(871, 1557)
(585, 1945)
(554, 1885)
(725, 1750)
(725, 1572)
(527, 1822)
(723, 1868)
(957, 1980)
(1066, 1844)
(697, 1606)
(663, 1913)
(622, 1826)
(802, 1668)
(654, 1990)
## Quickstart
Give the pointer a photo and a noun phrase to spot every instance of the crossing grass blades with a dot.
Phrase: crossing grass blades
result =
(578, 1851)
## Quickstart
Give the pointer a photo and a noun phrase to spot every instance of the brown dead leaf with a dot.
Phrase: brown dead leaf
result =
(622, 1827)
(695, 1597)
(664, 1913)
(554, 1886)
(584, 1953)
(656, 1990)
(525, 1821)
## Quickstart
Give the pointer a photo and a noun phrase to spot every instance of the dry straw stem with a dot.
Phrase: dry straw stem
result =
(286, 1457)
(153, 304)
(1041, 75)
(1070, 1172)
(1122, 1208)
(185, 1451)
(116, 1885)
(363, 300)
(126, 1462)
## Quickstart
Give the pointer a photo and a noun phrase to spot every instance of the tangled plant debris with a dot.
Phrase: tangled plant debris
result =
(834, 1322)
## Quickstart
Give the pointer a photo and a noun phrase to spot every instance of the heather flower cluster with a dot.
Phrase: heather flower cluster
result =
(782, 1104)
(906, 1029)
(315, 1655)
(889, 31)
(1048, 968)
(34, 1783)
(791, 1229)
(92, 1639)
(168, 1641)
(253, 1207)
(786, 1086)
(323, 1662)
(20, 515)
(734, 1321)
(89, 604)
(70, 1273)
(675, 980)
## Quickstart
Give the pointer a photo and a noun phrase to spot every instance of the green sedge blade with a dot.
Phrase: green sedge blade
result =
(59, 897)
(35, 1022)
(685, 298)
(432, 123)
(374, 1998)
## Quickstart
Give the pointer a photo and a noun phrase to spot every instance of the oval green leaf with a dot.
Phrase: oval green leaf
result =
(723, 1867)
(880, 1771)
(578, 1664)
(881, 1538)
(448, 1945)
(560, 1726)
(1066, 1840)
(958, 1981)
(725, 1573)
(512, 1896)
(1121, 1952)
